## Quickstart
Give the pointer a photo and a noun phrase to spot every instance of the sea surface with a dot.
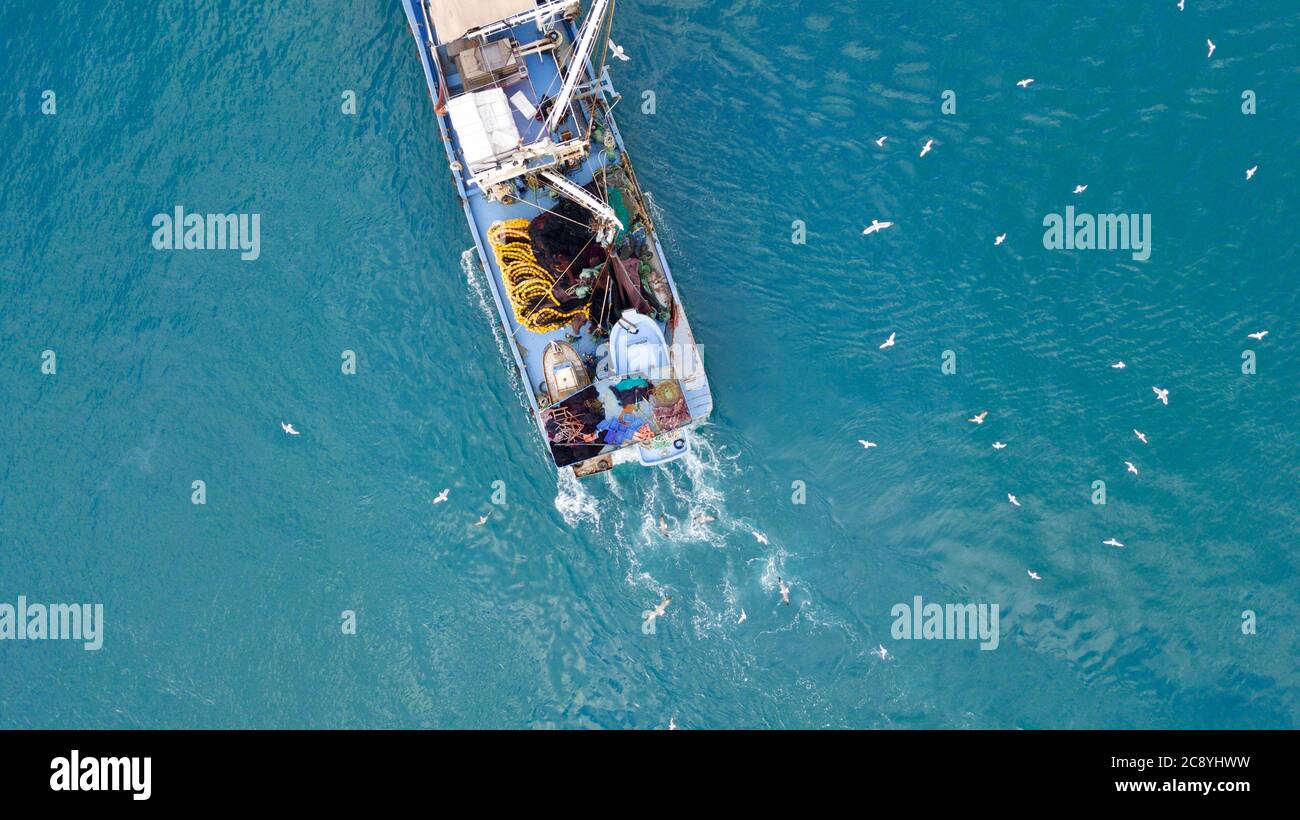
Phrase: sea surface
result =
(178, 366)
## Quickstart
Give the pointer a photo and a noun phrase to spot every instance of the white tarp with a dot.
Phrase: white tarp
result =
(452, 18)
(485, 126)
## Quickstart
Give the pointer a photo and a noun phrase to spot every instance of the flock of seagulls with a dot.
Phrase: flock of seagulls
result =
(1161, 393)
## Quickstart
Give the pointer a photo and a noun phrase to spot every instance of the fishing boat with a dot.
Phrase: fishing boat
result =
(562, 229)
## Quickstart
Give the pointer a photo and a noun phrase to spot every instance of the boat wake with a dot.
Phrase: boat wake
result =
(476, 279)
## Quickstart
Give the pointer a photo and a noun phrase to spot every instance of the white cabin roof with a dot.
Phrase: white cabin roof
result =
(453, 18)
(485, 126)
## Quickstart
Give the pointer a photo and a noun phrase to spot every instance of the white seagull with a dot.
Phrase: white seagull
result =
(442, 496)
(1161, 395)
(663, 525)
(888, 343)
(743, 617)
(760, 537)
(1035, 575)
(999, 445)
(876, 225)
(288, 428)
(785, 590)
(1212, 46)
(925, 149)
(1111, 542)
(618, 52)
(880, 143)
(482, 520)
(1181, 4)
(1132, 468)
(1078, 189)
(1142, 437)
(1025, 83)
(999, 239)
(881, 652)
(1119, 365)
(658, 612)
(1250, 172)
(866, 445)
(978, 418)
(1257, 336)
(1013, 499)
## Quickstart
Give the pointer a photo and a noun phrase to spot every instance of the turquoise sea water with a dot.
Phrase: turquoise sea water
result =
(179, 366)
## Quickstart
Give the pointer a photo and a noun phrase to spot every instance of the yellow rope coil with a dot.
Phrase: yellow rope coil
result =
(528, 285)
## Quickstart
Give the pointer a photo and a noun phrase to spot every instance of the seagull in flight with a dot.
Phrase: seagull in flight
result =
(999, 239)
(663, 525)
(1212, 46)
(925, 149)
(442, 496)
(1142, 437)
(866, 445)
(785, 590)
(288, 428)
(1013, 499)
(760, 537)
(1111, 542)
(1132, 468)
(1250, 172)
(1078, 189)
(1257, 336)
(482, 520)
(979, 418)
(881, 652)
(618, 52)
(704, 518)
(999, 445)
(1035, 575)
(1182, 4)
(1119, 365)
(658, 612)
(888, 343)
(876, 225)
(1162, 395)
(743, 617)
(1025, 83)
(880, 143)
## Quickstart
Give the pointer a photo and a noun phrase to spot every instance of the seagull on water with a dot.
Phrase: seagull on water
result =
(1257, 336)
(888, 343)
(1212, 46)
(1250, 172)
(785, 590)
(925, 149)
(881, 652)
(1111, 542)
(1078, 189)
(760, 537)
(618, 52)
(1026, 82)
(663, 525)
(876, 225)
(1119, 365)
(999, 239)
(1013, 499)
(1132, 468)
(442, 496)
(866, 445)
(704, 518)
(979, 418)
(1162, 395)
(999, 445)
(288, 428)
(1035, 575)
(880, 143)
(1142, 437)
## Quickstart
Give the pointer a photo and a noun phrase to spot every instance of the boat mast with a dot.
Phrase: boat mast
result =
(577, 64)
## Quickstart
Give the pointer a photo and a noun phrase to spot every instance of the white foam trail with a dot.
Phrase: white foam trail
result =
(575, 503)
(477, 281)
